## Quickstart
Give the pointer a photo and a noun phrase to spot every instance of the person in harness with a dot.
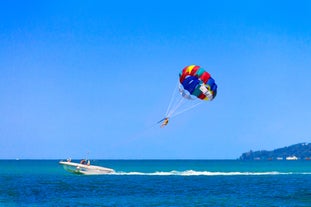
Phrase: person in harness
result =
(164, 122)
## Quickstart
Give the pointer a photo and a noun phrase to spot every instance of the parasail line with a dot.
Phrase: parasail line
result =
(177, 105)
(187, 109)
(173, 98)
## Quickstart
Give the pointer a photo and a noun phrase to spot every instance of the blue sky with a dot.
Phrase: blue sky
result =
(93, 77)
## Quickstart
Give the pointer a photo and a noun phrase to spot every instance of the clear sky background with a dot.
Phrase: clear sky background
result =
(92, 78)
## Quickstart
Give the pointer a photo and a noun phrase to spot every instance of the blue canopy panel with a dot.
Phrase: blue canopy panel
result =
(210, 82)
(214, 89)
(190, 83)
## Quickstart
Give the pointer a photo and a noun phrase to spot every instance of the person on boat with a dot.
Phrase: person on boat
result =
(83, 162)
(165, 122)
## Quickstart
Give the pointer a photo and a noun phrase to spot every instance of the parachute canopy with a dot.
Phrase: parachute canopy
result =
(194, 85)
(197, 82)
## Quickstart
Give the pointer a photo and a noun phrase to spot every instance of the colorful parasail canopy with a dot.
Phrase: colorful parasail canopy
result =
(195, 81)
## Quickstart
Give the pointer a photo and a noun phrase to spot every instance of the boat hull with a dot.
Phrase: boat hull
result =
(83, 169)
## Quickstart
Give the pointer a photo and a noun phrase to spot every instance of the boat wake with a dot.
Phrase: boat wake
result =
(207, 173)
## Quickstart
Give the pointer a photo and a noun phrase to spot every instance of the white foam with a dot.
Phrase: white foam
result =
(205, 173)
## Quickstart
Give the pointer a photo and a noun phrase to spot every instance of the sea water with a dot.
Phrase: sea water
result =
(158, 183)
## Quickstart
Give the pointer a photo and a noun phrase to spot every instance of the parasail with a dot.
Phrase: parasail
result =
(197, 82)
(195, 85)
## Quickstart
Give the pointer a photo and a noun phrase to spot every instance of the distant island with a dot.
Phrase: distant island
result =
(293, 152)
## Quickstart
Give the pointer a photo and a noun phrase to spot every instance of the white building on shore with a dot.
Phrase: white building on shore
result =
(292, 158)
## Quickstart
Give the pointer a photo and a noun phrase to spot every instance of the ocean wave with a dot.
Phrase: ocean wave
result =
(206, 173)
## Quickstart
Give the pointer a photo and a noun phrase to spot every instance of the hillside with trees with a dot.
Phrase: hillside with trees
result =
(296, 151)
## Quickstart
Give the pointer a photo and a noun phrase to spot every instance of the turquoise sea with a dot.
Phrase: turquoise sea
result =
(158, 183)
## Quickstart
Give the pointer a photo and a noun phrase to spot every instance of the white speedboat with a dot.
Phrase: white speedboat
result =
(85, 168)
